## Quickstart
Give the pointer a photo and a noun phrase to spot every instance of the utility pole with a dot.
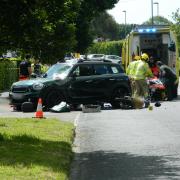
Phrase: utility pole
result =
(152, 12)
(125, 21)
(157, 7)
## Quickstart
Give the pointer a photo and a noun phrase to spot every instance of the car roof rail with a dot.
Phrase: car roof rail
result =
(105, 60)
(82, 60)
(92, 60)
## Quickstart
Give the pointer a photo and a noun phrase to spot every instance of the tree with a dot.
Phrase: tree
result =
(88, 11)
(124, 30)
(48, 29)
(176, 25)
(45, 29)
(158, 20)
(105, 26)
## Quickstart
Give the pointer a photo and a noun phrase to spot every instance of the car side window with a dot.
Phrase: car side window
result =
(100, 69)
(83, 70)
(116, 69)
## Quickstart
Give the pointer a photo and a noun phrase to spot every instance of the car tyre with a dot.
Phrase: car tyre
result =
(17, 107)
(51, 98)
(27, 107)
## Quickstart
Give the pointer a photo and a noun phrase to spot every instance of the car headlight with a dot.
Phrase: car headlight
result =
(38, 86)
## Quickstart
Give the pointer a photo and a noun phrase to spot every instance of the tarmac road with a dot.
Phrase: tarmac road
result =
(122, 144)
(128, 144)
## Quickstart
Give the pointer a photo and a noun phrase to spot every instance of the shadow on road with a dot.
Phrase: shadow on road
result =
(101, 165)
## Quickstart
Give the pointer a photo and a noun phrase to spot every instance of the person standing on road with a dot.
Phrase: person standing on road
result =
(25, 68)
(142, 71)
(37, 67)
(130, 72)
(169, 79)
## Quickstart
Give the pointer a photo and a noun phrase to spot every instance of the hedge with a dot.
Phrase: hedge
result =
(109, 47)
(8, 74)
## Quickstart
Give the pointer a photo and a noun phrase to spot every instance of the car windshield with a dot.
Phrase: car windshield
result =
(59, 71)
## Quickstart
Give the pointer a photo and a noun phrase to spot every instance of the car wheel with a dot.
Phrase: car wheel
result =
(27, 107)
(52, 98)
(118, 98)
(17, 107)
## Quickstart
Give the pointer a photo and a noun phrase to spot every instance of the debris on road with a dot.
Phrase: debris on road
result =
(91, 108)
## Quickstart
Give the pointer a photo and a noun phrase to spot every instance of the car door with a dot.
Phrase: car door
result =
(101, 81)
(80, 87)
(118, 78)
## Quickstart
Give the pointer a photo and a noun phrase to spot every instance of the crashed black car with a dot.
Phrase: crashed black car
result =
(81, 83)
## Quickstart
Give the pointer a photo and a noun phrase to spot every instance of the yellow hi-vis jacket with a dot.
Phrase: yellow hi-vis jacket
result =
(142, 71)
(130, 71)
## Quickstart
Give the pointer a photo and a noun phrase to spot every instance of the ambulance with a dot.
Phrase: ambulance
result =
(158, 41)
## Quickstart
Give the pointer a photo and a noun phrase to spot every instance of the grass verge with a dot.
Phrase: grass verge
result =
(35, 148)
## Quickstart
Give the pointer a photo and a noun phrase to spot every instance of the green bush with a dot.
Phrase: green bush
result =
(8, 74)
(110, 47)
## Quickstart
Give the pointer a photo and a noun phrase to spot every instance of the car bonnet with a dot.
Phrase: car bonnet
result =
(31, 81)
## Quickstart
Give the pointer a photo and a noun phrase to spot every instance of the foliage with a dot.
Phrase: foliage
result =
(35, 148)
(105, 26)
(48, 29)
(110, 47)
(176, 26)
(89, 9)
(124, 30)
(45, 29)
(158, 20)
(8, 74)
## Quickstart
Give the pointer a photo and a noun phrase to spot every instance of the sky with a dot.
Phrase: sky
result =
(139, 11)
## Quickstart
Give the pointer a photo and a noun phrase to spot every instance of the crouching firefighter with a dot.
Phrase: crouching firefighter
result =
(142, 71)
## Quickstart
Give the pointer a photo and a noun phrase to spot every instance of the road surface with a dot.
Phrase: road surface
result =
(128, 144)
(122, 144)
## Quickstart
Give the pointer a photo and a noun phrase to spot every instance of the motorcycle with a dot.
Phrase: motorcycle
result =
(156, 89)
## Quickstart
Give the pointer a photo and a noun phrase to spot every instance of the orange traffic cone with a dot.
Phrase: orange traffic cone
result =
(39, 111)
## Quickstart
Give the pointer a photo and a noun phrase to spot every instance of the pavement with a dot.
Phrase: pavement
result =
(4, 94)
(7, 111)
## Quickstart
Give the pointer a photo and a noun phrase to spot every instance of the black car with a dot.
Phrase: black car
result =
(81, 83)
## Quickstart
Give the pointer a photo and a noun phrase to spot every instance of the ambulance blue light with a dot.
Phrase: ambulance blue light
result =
(146, 30)
(153, 30)
(140, 30)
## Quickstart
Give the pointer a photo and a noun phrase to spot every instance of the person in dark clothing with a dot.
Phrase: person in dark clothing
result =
(168, 78)
(37, 68)
(153, 66)
(25, 68)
